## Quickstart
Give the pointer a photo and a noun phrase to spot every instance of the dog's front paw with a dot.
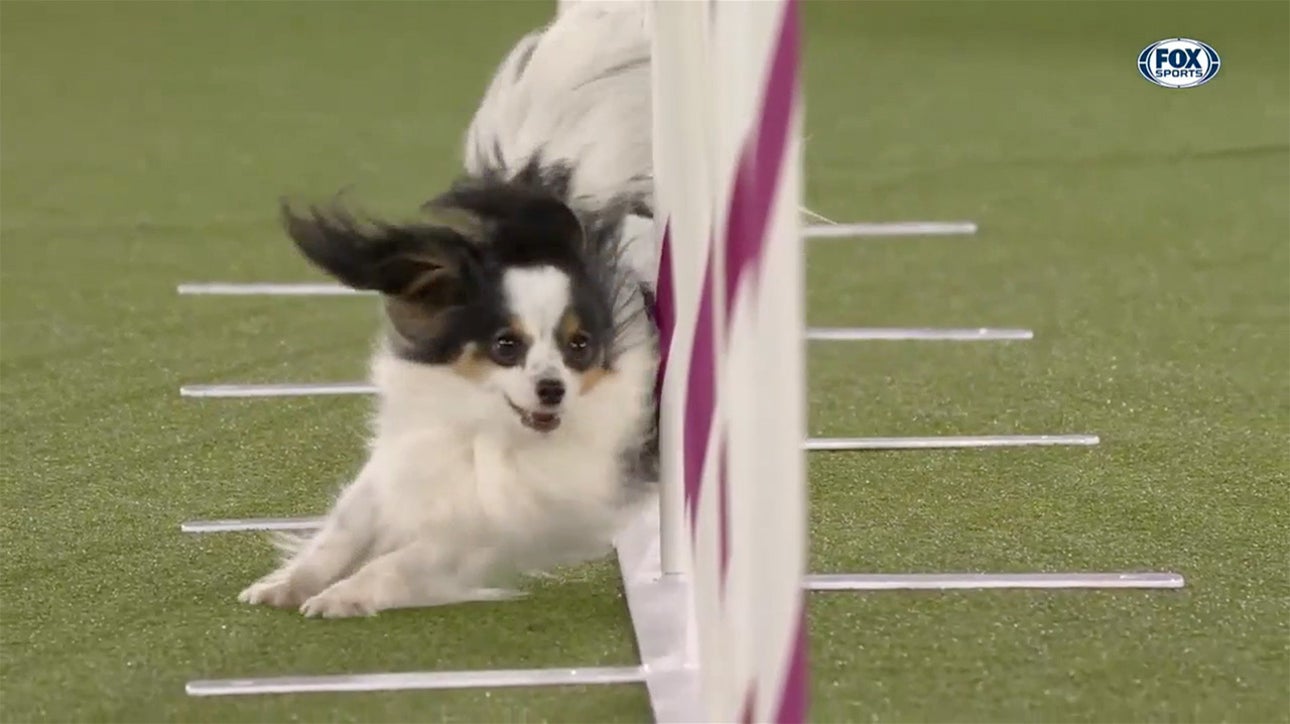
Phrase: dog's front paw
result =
(341, 600)
(275, 589)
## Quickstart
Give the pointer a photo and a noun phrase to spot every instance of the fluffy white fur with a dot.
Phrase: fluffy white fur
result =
(457, 494)
(583, 96)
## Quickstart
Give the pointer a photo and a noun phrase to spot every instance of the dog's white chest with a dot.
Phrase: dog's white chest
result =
(496, 477)
(543, 484)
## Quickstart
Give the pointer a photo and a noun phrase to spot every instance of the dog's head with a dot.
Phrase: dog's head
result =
(515, 297)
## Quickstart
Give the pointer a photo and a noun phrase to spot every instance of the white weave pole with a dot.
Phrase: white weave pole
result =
(654, 554)
(683, 213)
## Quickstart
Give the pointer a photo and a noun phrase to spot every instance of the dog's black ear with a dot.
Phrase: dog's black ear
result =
(421, 263)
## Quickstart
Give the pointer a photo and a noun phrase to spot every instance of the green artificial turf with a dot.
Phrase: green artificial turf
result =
(1144, 233)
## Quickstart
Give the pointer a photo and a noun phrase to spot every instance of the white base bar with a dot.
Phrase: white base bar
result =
(816, 582)
(898, 228)
(813, 231)
(661, 617)
(918, 334)
(951, 442)
(241, 525)
(418, 680)
(833, 444)
(981, 581)
(278, 390)
(835, 334)
(287, 289)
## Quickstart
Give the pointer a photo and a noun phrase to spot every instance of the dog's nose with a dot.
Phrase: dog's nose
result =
(550, 392)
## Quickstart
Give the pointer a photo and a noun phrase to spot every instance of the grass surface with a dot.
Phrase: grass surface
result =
(1142, 232)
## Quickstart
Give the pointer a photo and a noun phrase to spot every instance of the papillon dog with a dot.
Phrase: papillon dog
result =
(514, 429)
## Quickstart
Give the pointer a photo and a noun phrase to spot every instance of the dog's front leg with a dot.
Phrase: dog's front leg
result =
(418, 574)
(327, 556)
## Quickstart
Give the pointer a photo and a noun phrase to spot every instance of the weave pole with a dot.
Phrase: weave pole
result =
(683, 187)
(742, 414)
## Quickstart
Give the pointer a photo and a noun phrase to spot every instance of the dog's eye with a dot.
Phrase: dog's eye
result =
(578, 350)
(507, 349)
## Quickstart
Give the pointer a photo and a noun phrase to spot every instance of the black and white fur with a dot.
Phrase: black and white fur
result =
(516, 372)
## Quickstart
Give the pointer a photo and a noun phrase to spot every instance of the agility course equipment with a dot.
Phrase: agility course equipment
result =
(716, 577)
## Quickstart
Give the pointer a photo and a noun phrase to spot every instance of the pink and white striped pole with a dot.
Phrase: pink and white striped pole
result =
(728, 190)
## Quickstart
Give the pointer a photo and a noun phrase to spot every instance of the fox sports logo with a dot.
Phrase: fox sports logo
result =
(1178, 63)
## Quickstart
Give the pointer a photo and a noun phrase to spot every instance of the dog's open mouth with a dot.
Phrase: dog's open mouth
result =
(536, 420)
